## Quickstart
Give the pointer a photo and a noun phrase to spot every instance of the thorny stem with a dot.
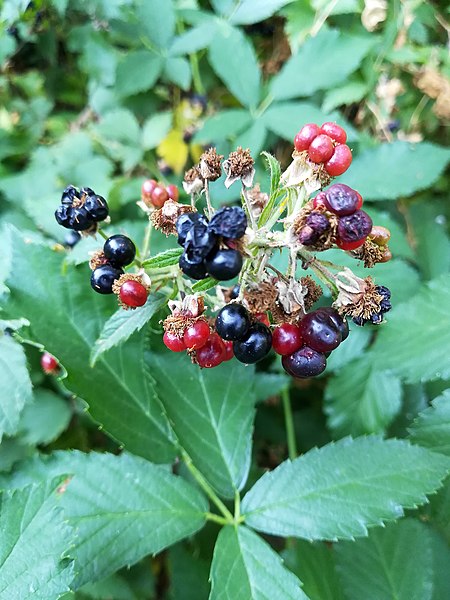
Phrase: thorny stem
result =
(248, 205)
(228, 517)
(289, 421)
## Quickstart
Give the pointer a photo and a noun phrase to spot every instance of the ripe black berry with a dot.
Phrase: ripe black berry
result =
(185, 222)
(69, 195)
(354, 227)
(194, 270)
(340, 323)
(306, 362)
(255, 345)
(320, 332)
(103, 277)
(341, 199)
(229, 222)
(72, 239)
(315, 225)
(63, 216)
(199, 242)
(80, 220)
(232, 322)
(235, 290)
(224, 264)
(96, 206)
(119, 250)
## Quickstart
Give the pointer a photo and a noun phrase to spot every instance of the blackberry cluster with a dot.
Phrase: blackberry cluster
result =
(354, 225)
(385, 306)
(80, 210)
(252, 341)
(118, 251)
(305, 346)
(201, 240)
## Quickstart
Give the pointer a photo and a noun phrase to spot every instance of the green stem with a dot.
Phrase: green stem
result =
(206, 487)
(102, 234)
(196, 77)
(264, 106)
(289, 421)
(248, 205)
(208, 200)
(216, 518)
(146, 244)
(237, 507)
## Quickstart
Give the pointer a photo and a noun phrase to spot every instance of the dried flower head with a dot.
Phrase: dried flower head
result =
(261, 297)
(258, 199)
(165, 218)
(302, 171)
(191, 305)
(239, 165)
(358, 298)
(97, 259)
(209, 166)
(313, 291)
(370, 253)
(193, 182)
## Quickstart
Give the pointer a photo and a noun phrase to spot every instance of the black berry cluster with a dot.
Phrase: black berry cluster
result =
(305, 346)
(385, 306)
(251, 341)
(81, 209)
(203, 243)
(118, 252)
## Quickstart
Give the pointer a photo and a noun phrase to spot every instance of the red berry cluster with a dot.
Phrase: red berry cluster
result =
(354, 225)
(157, 194)
(210, 349)
(325, 145)
(304, 347)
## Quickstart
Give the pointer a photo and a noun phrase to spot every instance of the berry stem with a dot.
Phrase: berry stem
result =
(102, 234)
(228, 517)
(248, 206)
(289, 421)
(208, 200)
(146, 244)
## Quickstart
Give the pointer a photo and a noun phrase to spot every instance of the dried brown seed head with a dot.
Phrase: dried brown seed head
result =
(209, 167)
(239, 165)
(165, 218)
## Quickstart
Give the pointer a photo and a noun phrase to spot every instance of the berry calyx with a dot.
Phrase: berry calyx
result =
(159, 196)
(321, 149)
(173, 342)
(224, 264)
(103, 278)
(340, 161)
(305, 136)
(286, 338)
(232, 322)
(49, 364)
(320, 332)
(354, 227)
(195, 335)
(342, 199)
(133, 294)
(173, 192)
(255, 345)
(305, 362)
(212, 353)
(334, 131)
(119, 250)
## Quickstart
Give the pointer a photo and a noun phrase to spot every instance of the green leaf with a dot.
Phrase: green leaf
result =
(189, 574)
(253, 138)
(275, 176)
(33, 545)
(432, 427)
(233, 59)
(195, 39)
(15, 385)
(155, 129)
(178, 71)
(205, 284)
(112, 587)
(350, 92)
(406, 169)
(362, 399)
(394, 562)
(354, 346)
(137, 72)
(269, 384)
(123, 323)
(167, 258)
(253, 11)
(222, 125)
(315, 565)
(212, 413)
(45, 418)
(135, 508)
(423, 356)
(245, 567)
(158, 20)
(343, 488)
(321, 63)
(441, 566)
(438, 511)
(121, 137)
(120, 392)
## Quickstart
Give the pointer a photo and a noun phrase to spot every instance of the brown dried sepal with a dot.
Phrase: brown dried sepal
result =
(327, 239)
(165, 218)
(118, 283)
(209, 166)
(193, 182)
(314, 291)
(239, 165)
(370, 253)
(258, 199)
(279, 315)
(97, 260)
(177, 324)
(261, 297)
(357, 298)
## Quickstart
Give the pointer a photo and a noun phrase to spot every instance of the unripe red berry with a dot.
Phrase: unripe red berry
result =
(173, 342)
(147, 188)
(262, 317)
(305, 136)
(49, 364)
(212, 353)
(335, 132)
(321, 149)
(340, 161)
(133, 293)
(196, 335)
(349, 245)
(286, 338)
(229, 352)
(173, 192)
(159, 196)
